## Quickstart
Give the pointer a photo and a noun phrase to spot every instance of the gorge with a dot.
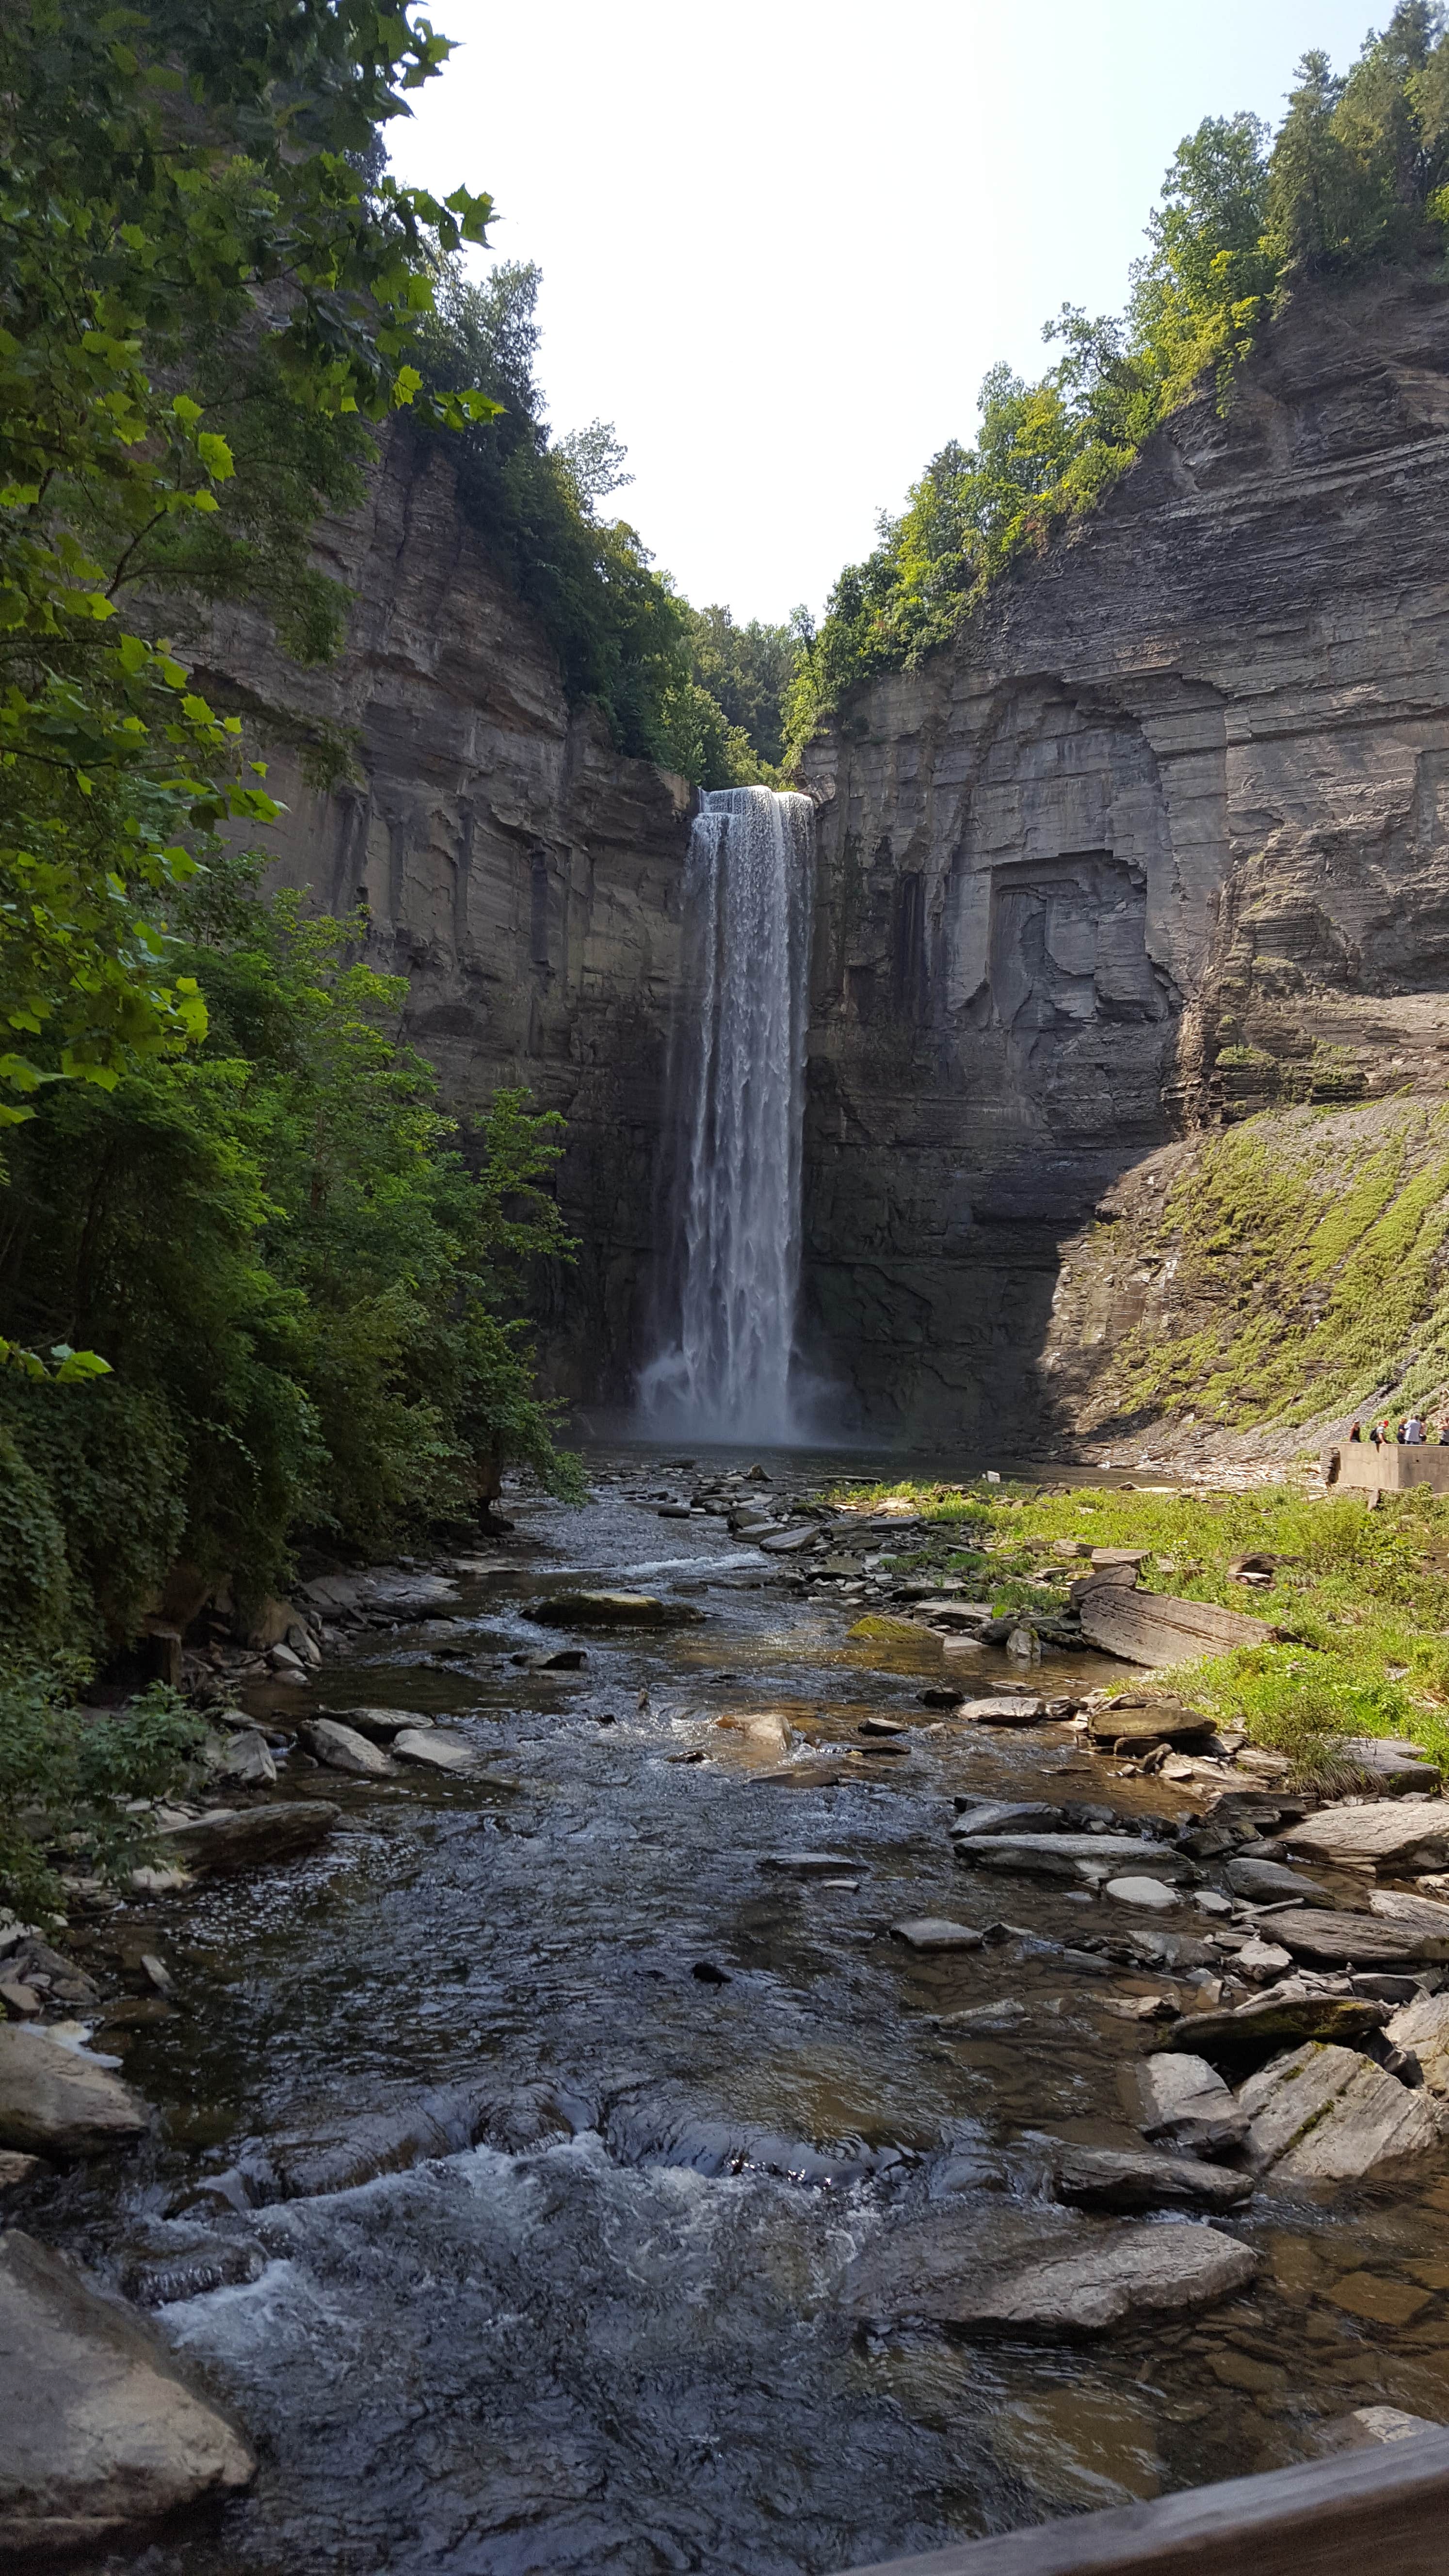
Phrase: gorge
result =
(1159, 844)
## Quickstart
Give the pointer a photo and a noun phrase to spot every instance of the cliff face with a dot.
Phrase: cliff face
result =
(1163, 841)
(519, 872)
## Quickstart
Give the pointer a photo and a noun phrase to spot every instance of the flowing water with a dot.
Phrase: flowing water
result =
(547, 2121)
(732, 1285)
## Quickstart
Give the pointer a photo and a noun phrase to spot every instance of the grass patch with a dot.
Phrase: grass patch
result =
(1362, 1597)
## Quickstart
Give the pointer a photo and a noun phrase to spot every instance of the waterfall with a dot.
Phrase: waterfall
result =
(732, 1262)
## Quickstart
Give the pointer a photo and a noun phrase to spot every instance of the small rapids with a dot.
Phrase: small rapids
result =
(515, 2146)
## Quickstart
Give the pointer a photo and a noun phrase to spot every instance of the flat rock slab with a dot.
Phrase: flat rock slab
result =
(1328, 2114)
(1106, 2178)
(104, 2430)
(1006, 1816)
(936, 1932)
(789, 1542)
(1238, 2040)
(1021, 1710)
(1183, 2101)
(1423, 2026)
(1419, 1913)
(611, 1610)
(1056, 1855)
(434, 1751)
(1387, 1832)
(1359, 1940)
(1156, 1628)
(343, 1748)
(380, 1725)
(1147, 1721)
(807, 1864)
(233, 1839)
(1150, 1893)
(1267, 1882)
(55, 2101)
(1080, 2282)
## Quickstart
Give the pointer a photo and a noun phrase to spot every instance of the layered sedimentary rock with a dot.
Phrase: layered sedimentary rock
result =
(1164, 839)
(520, 872)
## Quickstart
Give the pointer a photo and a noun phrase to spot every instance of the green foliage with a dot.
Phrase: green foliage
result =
(623, 636)
(1357, 174)
(66, 1776)
(1361, 1599)
(747, 670)
(319, 1340)
(201, 300)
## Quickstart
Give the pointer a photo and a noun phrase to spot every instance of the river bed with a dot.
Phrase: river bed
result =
(609, 2335)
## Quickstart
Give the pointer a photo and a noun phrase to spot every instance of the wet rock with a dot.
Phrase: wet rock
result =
(1056, 1855)
(248, 1761)
(1390, 1833)
(565, 1659)
(1109, 2178)
(191, 2270)
(808, 1864)
(1422, 2027)
(1082, 2281)
(1368, 2425)
(104, 2430)
(1148, 1892)
(885, 1726)
(380, 1725)
(707, 1974)
(1268, 1882)
(611, 1610)
(1007, 1816)
(434, 1750)
(1361, 1940)
(228, 1840)
(767, 1729)
(1006, 2012)
(16, 2170)
(938, 1697)
(342, 1748)
(877, 1629)
(1327, 2114)
(1142, 1722)
(936, 1932)
(790, 1542)
(1238, 2040)
(1182, 2100)
(56, 2101)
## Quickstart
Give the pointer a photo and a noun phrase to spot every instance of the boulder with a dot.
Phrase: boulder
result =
(1423, 2028)
(1146, 1722)
(1328, 2114)
(1390, 1759)
(611, 1610)
(380, 1725)
(228, 1839)
(247, 1760)
(104, 2430)
(1388, 1833)
(1362, 1940)
(1108, 2178)
(1183, 2100)
(936, 1932)
(433, 1750)
(1080, 2281)
(1242, 2039)
(55, 2101)
(1156, 1628)
(342, 1748)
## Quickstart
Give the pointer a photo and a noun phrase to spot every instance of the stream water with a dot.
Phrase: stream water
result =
(608, 2334)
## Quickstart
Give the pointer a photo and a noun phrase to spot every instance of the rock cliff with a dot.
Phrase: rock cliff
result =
(519, 872)
(1162, 842)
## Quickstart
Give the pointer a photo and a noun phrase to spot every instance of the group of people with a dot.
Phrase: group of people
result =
(1410, 1432)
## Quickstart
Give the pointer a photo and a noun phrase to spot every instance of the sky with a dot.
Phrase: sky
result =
(782, 242)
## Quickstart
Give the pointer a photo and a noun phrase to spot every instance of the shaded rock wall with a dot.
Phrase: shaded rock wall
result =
(1163, 840)
(520, 873)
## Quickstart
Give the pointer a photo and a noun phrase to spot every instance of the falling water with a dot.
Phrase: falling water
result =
(733, 1270)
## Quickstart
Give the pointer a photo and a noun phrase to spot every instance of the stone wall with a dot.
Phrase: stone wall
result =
(521, 874)
(1164, 839)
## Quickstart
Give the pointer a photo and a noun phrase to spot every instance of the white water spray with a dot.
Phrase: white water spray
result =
(725, 1363)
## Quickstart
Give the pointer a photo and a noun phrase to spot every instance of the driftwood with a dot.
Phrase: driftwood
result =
(1382, 2507)
(1155, 1628)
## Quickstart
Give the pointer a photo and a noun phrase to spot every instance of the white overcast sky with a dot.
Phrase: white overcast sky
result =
(781, 242)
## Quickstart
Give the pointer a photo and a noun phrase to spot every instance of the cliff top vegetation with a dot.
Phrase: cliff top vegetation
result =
(1355, 177)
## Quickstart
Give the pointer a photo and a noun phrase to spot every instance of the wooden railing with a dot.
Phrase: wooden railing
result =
(1383, 2511)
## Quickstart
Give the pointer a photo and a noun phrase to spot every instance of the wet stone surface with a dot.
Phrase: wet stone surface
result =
(532, 2244)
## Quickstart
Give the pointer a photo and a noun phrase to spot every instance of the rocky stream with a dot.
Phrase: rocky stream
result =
(747, 2095)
